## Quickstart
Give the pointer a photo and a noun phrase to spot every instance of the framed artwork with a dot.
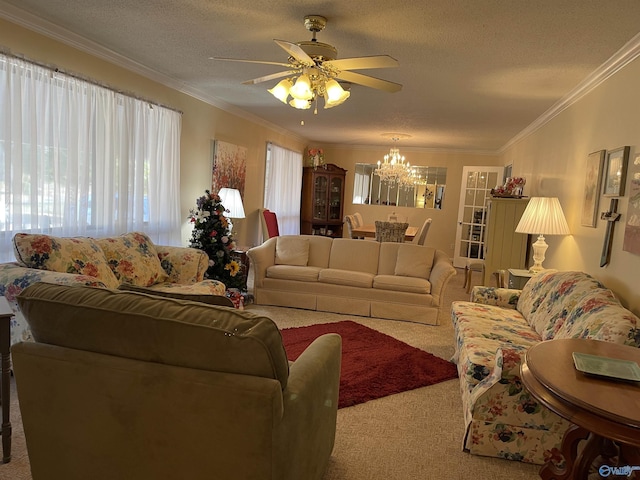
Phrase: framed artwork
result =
(592, 180)
(615, 173)
(229, 167)
(631, 242)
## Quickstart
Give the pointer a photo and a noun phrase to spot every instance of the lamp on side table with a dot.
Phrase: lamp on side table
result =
(543, 216)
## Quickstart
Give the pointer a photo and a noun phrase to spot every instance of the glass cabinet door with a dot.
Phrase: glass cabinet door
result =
(335, 198)
(320, 197)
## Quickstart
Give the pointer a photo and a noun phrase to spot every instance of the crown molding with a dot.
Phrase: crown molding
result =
(623, 57)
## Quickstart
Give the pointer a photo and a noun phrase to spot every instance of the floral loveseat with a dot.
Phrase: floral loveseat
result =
(129, 261)
(494, 331)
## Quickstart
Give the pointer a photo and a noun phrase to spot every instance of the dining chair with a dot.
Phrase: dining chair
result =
(390, 231)
(421, 235)
(350, 221)
(269, 224)
(358, 221)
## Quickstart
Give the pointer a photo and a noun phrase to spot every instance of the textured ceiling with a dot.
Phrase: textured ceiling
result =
(475, 73)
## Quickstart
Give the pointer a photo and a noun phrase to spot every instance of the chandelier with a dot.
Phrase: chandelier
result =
(393, 169)
(308, 87)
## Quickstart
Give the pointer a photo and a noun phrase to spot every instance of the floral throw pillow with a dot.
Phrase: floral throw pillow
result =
(76, 255)
(133, 259)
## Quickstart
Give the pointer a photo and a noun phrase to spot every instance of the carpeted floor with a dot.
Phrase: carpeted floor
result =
(415, 434)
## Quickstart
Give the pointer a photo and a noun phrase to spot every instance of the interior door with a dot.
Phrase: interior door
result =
(477, 183)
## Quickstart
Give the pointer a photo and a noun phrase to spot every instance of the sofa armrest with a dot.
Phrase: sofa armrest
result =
(260, 258)
(499, 297)
(502, 398)
(310, 402)
(183, 264)
(441, 272)
(14, 278)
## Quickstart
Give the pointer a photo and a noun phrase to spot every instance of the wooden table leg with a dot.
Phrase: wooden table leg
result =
(572, 437)
(5, 385)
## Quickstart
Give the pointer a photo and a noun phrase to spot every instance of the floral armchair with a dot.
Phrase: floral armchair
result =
(493, 332)
(130, 260)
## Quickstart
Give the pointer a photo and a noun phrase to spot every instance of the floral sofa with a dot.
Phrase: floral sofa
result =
(399, 281)
(494, 330)
(130, 261)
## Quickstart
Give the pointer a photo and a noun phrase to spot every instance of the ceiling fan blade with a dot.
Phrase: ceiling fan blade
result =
(368, 81)
(360, 63)
(296, 52)
(250, 61)
(266, 78)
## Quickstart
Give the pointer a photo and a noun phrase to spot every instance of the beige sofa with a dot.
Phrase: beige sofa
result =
(126, 385)
(398, 281)
(493, 333)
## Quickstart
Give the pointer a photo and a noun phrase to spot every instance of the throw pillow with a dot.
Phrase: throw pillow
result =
(77, 255)
(133, 259)
(292, 250)
(414, 261)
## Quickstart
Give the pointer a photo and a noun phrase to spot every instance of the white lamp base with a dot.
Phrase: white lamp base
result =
(539, 249)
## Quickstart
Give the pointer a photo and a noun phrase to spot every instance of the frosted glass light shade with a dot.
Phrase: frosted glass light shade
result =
(301, 90)
(281, 90)
(543, 216)
(335, 95)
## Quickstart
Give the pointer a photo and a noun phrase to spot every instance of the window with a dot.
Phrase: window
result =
(282, 187)
(77, 158)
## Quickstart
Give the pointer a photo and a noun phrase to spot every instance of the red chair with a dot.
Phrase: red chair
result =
(269, 224)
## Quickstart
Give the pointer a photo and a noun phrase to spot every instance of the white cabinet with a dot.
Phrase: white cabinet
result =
(504, 248)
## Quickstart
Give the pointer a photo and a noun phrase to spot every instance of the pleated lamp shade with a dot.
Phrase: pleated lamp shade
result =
(543, 216)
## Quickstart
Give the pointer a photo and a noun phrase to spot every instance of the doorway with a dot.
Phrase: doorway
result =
(477, 183)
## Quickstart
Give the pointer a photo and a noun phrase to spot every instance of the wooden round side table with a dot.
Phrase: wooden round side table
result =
(605, 411)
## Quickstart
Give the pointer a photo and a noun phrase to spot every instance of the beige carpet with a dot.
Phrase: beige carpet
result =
(410, 435)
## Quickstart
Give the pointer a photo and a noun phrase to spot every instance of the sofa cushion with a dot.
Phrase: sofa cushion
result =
(402, 284)
(290, 272)
(414, 261)
(292, 250)
(77, 255)
(354, 255)
(133, 259)
(549, 297)
(154, 329)
(346, 277)
(480, 331)
(600, 316)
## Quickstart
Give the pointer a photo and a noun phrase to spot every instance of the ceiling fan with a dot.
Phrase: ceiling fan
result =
(317, 72)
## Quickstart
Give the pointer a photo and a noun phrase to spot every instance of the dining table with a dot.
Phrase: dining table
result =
(370, 231)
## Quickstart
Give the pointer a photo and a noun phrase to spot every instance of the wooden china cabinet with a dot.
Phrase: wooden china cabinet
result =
(322, 202)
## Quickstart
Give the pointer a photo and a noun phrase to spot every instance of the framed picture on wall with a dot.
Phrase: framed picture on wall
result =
(592, 180)
(615, 173)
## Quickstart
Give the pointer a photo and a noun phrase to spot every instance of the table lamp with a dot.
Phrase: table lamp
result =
(232, 201)
(543, 216)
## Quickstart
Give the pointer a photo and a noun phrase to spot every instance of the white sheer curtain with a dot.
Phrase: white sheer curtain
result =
(80, 159)
(282, 187)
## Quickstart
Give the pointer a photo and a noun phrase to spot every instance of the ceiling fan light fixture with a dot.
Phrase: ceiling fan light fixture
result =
(281, 90)
(301, 90)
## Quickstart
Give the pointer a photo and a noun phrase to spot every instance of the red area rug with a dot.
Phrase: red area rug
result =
(374, 365)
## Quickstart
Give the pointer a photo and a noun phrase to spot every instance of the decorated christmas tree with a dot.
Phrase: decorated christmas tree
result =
(211, 233)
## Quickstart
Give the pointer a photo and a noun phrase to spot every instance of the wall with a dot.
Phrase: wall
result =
(442, 233)
(553, 159)
(201, 123)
